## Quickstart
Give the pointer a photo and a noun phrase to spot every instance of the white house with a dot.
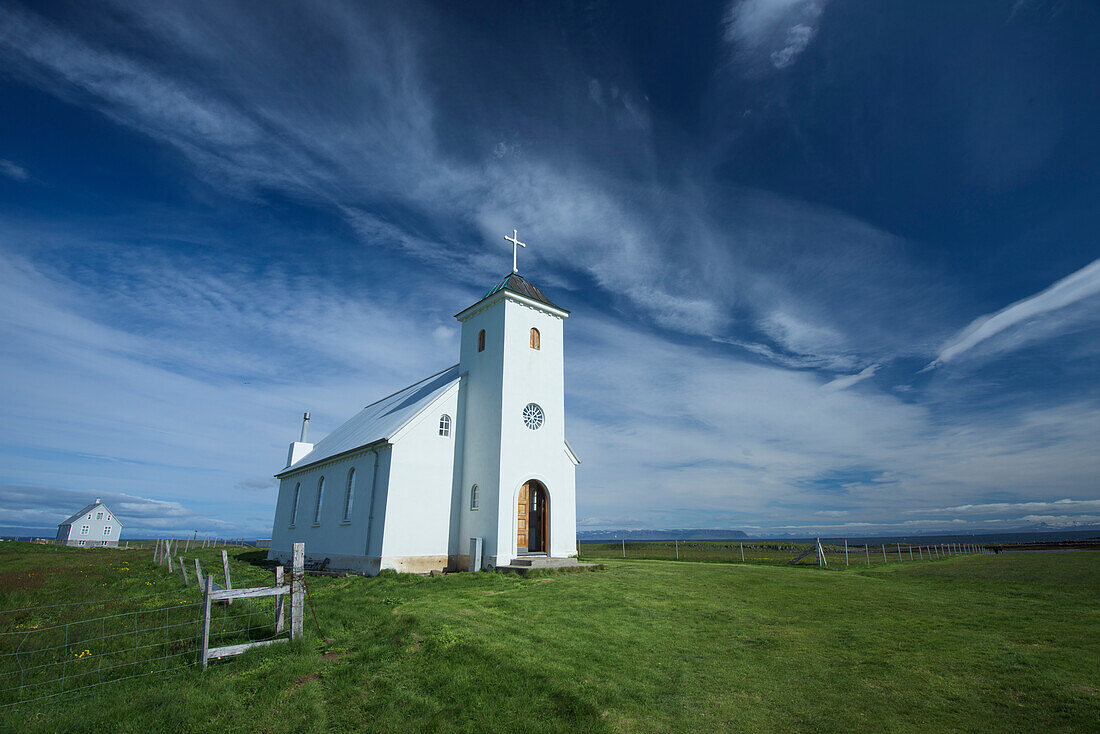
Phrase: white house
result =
(465, 469)
(93, 526)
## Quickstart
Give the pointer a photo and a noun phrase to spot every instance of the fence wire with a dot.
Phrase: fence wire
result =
(836, 554)
(46, 653)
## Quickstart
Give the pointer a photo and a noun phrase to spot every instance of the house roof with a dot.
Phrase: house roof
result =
(518, 284)
(73, 518)
(379, 421)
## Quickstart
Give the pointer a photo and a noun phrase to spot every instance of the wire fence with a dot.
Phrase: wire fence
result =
(66, 649)
(836, 553)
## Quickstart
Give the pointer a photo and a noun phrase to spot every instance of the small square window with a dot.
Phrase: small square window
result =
(444, 425)
(99, 516)
(84, 529)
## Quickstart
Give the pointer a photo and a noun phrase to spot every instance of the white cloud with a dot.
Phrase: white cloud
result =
(846, 381)
(1078, 286)
(13, 171)
(1066, 505)
(778, 30)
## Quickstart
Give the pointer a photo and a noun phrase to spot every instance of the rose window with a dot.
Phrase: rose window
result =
(533, 416)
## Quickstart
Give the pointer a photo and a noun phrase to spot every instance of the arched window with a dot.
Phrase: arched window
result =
(348, 494)
(294, 507)
(534, 338)
(444, 425)
(481, 341)
(473, 498)
(320, 496)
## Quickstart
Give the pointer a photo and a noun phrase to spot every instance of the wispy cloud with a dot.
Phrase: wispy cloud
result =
(778, 30)
(1062, 505)
(12, 171)
(1079, 286)
(845, 381)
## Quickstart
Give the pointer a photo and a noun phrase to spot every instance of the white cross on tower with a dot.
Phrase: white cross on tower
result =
(514, 239)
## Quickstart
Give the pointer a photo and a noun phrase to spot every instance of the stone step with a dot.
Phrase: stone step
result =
(543, 562)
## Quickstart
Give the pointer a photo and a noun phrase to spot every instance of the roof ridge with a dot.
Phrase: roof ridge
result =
(409, 387)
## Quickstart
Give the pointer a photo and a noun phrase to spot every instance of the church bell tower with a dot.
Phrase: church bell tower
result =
(512, 407)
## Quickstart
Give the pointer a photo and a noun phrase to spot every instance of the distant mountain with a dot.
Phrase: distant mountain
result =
(606, 536)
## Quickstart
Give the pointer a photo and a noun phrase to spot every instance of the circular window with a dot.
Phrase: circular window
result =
(533, 416)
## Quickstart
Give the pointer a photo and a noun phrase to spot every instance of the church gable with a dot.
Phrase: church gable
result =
(379, 421)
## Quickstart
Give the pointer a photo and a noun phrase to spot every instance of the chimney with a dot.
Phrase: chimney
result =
(300, 448)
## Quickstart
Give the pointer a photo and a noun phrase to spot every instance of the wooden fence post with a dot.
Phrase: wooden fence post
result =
(742, 552)
(910, 553)
(156, 552)
(899, 551)
(278, 600)
(183, 572)
(229, 581)
(297, 590)
(845, 551)
(884, 554)
(867, 550)
(198, 572)
(168, 556)
(205, 621)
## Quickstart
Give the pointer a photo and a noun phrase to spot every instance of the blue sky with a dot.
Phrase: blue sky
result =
(833, 266)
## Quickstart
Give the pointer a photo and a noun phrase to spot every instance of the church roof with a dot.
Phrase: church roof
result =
(518, 284)
(380, 420)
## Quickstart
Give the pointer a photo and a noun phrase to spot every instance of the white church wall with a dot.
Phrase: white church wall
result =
(343, 542)
(418, 509)
(481, 424)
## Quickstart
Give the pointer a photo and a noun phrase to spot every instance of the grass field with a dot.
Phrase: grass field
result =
(971, 643)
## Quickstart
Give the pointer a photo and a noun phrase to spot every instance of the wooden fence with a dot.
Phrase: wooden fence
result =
(295, 589)
(213, 592)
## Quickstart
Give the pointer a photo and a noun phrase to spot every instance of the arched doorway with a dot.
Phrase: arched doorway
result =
(532, 518)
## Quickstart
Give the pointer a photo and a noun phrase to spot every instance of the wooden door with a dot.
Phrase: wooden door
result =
(521, 515)
(536, 519)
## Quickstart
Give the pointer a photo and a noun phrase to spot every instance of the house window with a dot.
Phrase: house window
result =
(534, 338)
(99, 516)
(481, 341)
(320, 496)
(84, 529)
(444, 425)
(80, 542)
(107, 530)
(473, 498)
(348, 494)
(294, 507)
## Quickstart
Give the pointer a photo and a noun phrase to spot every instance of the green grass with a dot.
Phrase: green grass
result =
(972, 643)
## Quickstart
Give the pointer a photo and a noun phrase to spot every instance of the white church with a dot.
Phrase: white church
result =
(467, 469)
